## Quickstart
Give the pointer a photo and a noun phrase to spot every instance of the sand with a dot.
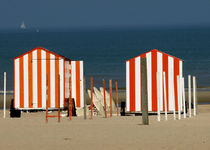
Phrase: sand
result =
(30, 132)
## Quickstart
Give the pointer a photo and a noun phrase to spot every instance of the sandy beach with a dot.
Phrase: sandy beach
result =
(31, 132)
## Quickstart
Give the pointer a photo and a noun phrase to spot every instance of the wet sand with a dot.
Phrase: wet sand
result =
(30, 132)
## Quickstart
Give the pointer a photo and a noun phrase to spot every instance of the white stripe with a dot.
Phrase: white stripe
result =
(160, 70)
(52, 80)
(171, 83)
(67, 68)
(81, 85)
(25, 80)
(127, 86)
(181, 75)
(149, 80)
(35, 94)
(61, 72)
(43, 57)
(73, 80)
(137, 84)
(17, 84)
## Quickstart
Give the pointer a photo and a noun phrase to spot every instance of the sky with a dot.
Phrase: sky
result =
(103, 13)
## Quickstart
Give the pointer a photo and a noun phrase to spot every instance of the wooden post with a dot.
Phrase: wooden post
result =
(183, 95)
(47, 99)
(5, 86)
(104, 98)
(70, 96)
(158, 96)
(59, 115)
(178, 91)
(145, 119)
(165, 100)
(189, 94)
(85, 116)
(194, 96)
(173, 95)
(117, 98)
(91, 87)
(110, 91)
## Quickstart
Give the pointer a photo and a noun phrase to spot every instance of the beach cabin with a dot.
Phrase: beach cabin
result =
(156, 61)
(40, 68)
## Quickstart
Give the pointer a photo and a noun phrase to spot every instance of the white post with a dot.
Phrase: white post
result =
(172, 83)
(164, 79)
(178, 92)
(183, 94)
(194, 97)
(5, 78)
(158, 94)
(189, 94)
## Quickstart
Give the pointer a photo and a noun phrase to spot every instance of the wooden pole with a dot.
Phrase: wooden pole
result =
(173, 95)
(47, 99)
(5, 86)
(104, 98)
(91, 87)
(183, 95)
(178, 91)
(194, 96)
(165, 100)
(145, 118)
(85, 116)
(158, 96)
(59, 98)
(70, 96)
(189, 95)
(110, 91)
(117, 98)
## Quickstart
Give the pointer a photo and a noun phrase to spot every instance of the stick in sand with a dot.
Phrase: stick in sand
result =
(117, 98)
(104, 98)
(158, 99)
(178, 91)
(91, 88)
(173, 96)
(194, 96)
(110, 91)
(5, 85)
(183, 94)
(70, 97)
(47, 99)
(59, 110)
(189, 94)
(164, 79)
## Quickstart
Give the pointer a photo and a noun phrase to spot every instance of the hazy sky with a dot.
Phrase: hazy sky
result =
(103, 13)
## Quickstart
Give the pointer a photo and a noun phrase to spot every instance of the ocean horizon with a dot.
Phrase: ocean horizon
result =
(105, 51)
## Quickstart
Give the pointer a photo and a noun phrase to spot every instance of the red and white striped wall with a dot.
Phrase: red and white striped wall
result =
(156, 62)
(75, 68)
(31, 72)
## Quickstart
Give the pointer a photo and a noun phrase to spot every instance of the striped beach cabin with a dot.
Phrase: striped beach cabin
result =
(39, 66)
(156, 61)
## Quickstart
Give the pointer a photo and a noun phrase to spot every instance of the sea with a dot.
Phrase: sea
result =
(104, 51)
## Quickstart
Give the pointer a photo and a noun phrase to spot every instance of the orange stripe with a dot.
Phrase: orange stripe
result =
(132, 84)
(78, 83)
(165, 69)
(30, 81)
(48, 76)
(21, 83)
(56, 81)
(154, 81)
(39, 80)
(176, 73)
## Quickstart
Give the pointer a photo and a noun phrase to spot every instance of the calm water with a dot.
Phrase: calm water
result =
(104, 51)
